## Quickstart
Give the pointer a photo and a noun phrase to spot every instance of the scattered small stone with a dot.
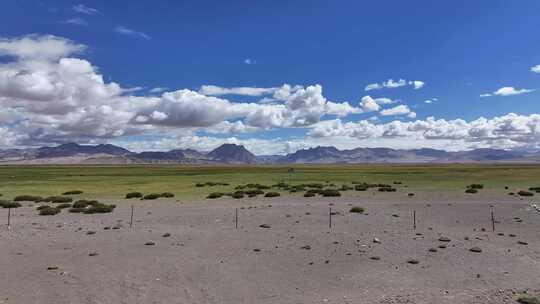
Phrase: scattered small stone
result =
(500, 234)
(442, 246)
(257, 250)
(475, 249)
(166, 235)
(432, 250)
(376, 240)
(466, 238)
(395, 215)
(150, 243)
(512, 235)
(444, 239)
(266, 226)
(375, 258)
(93, 254)
(327, 261)
(306, 247)
(90, 232)
(483, 229)
(52, 268)
(522, 243)
(413, 261)
(106, 228)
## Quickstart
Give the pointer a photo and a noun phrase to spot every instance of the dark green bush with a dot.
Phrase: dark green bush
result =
(356, 210)
(330, 193)
(387, 189)
(8, 204)
(99, 208)
(167, 195)
(272, 194)
(27, 198)
(49, 211)
(214, 195)
(471, 190)
(152, 196)
(199, 185)
(528, 300)
(345, 188)
(56, 199)
(43, 207)
(476, 186)
(134, 195)
(238, 194)
(72, 192)
(63, 206)
(525, 193)
(361, 187)
(535, 189)
(76, 210)
(309, 194)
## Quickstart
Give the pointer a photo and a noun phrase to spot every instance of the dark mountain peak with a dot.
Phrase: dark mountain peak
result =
(71, 149)
(232, 153)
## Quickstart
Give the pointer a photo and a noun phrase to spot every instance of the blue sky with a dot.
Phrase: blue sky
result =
(458, 50)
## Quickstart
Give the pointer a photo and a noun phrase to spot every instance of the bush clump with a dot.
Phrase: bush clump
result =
(476, 186)
(214, 195)
(134, 195)
(76, 210)
(99, 208)
(272, 194)
(42, 207)
(84, 203)
(167, 195)
(152, 196)
(49, 211)
(309, 194)
(8, 204)
(528, 300)
(471, 191)
(361, 187)
(330, 193)
(535, 189)
(357, 210)
(64, 206)
(525, 193)
(72, 192)
(56, 199)
(387, 189)
(238, 194)
(27, 198)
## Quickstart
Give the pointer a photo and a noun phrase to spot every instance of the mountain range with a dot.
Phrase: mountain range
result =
(72, 153)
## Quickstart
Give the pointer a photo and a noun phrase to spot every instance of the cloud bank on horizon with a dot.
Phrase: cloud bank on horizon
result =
(50, 93)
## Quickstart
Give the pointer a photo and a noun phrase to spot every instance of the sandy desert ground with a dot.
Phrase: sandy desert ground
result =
(198, 256)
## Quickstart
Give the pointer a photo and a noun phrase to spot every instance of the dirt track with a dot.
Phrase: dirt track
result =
(206, 260)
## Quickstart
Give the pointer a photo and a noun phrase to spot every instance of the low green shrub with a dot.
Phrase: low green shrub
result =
(345, 188)
(167, 195)
(8, 204)
(56, 199)
(330, 193)
(476, 186)
(76, 210)
(72, 192)
(43, 207)
(309, 194)
(528, 300)
(272, 194)
(525, 193)
(49, 211)
(238, 194)
(27, 198)
(214, 195)
(387, 189)
(134, 195)
(99, 208)
(152, 196)
(471, 190)
(64, 206)
(361, 187)
(357, 210)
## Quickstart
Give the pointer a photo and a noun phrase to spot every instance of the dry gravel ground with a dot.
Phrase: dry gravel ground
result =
(206, 260)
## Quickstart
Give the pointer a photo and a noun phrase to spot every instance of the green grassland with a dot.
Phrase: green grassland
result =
(116, 181)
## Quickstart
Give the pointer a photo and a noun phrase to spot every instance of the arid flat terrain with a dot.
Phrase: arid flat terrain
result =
(191, 252)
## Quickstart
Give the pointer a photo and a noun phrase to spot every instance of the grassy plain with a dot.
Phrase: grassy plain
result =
(116, 181)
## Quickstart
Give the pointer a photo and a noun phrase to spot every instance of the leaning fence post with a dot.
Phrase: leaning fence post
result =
(236, 218)
(414, 219)
(330, 217)
(492, 220)
(9, 219)
(131, 219)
